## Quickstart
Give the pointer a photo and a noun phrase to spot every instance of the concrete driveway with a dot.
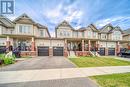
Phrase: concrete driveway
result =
(40, 63)
(32, 67)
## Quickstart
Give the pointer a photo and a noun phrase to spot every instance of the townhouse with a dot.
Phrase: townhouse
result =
(34, 39)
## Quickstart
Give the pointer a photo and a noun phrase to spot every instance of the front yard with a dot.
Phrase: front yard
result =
(114, 80)
(98, 61)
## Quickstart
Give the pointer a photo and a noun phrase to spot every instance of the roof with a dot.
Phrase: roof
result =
(93, 27)
(82, 29)
(24, 18)
(105, 28)
(127, 31)
(65, 23)
(41, 26)
(6, 22)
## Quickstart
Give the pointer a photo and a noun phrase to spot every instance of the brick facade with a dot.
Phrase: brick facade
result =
(28, 54)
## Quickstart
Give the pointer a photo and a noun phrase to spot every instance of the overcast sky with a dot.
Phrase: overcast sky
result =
(79, 13)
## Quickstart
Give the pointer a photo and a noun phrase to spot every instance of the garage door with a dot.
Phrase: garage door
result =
(111, 51)
(102, 51)
(2, 49)
(43, 51)
(58, 51)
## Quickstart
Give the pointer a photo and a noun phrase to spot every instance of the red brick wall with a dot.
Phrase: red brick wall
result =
(65, 53)
(28, 54)
(83, 53)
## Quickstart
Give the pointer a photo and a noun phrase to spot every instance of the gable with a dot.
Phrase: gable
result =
(24, 19)
(117, 29)
(107, 29)
(93, 27)
(64, 24)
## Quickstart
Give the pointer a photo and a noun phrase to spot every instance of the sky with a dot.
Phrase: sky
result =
(79, 13)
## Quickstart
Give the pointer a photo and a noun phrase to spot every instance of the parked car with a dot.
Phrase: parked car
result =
(125, 53)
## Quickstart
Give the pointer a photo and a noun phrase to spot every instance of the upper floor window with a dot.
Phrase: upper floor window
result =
(61, 34)
(117, 35)
(68, 34)
(11, 31)
(64, 33)
(104, 36)
(82, 34)
(24, 29)
(89, 33)
(94, 34)
(41, 33)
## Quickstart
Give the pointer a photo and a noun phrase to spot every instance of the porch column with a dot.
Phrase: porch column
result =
(65, 45)
(7, 43)
(118, 47)
(89, 45)
(82, 45)
(65, 48)
(98, 45)
(33, 44)
(106, 51)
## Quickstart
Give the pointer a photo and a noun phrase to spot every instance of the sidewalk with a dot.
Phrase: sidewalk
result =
(53, 74)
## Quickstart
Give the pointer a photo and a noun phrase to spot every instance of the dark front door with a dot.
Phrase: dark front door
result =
(102, 51)
(58, 51)
(2, 49)
(111, 51)
(43, 51)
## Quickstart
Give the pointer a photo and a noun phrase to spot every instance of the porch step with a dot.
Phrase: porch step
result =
(94, 53)
(72, 54)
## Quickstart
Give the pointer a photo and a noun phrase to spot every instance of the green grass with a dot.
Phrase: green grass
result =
(98, 61)
(114, 80)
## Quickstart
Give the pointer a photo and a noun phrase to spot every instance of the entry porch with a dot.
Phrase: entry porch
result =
(81, 46)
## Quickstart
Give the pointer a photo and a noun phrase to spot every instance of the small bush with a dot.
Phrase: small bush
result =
(7, 60)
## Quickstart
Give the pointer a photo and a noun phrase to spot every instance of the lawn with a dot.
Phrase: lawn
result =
(114, 80)
(98, 61)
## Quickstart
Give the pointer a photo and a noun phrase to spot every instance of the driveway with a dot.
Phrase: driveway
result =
(40, 63)
(30, 73)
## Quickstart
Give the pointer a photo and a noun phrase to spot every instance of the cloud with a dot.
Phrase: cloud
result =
(12, 17)
(53, 13)
(62, 12)
(113, 20)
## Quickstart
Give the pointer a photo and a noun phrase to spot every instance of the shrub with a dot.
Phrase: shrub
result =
(7, 60)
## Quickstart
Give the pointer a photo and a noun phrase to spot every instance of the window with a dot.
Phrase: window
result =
(104, 36)
(41, 33)
(24, 29)
(94, 34)
(89, 34)
(20, 28)
(117, 35)
(82, 34)
(64, 33)
(61, 34)
(68, 34)
(11, 31)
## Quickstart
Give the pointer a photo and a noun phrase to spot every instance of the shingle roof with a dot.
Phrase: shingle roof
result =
(65, 23)
(41, 26)
(127, 31)
(6, 22)
(93, 27)
(24, 18)
(105, 29)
